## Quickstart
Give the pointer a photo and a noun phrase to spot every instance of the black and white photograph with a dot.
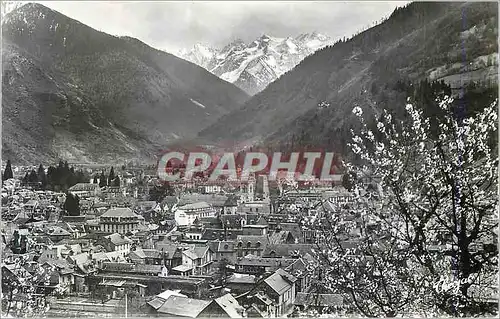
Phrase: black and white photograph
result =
(249, 159)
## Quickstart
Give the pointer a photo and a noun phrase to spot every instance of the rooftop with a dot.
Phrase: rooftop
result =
(194, 206)
(213, 199)
(280, 281)
(184, 307)
(83, 187)
(264, 262)
(57, 231)
(119, 212)
(182, 268)
(241, 279)
(118, 239)
(196, 252)
(167, 293)
(230, 305)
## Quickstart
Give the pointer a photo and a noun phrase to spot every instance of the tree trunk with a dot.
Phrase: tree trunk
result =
(10, 302)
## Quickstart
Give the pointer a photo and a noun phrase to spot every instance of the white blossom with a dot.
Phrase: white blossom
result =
(357, 111)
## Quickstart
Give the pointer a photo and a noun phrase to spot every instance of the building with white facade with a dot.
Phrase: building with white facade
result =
(185, 215)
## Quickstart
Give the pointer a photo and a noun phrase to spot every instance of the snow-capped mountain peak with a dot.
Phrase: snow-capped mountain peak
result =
(253, 65)
(200, 54)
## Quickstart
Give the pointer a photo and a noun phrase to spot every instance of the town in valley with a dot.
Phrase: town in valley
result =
(101, 241)
(249, 159)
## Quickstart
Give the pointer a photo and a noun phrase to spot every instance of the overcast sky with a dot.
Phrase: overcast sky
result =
(175, 25)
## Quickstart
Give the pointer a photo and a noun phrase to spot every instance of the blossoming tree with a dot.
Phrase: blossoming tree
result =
(428, 231)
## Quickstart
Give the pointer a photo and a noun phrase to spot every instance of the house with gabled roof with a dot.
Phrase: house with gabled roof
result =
(195, 261)
(202, 258)
(117, 242)
(280, 287)
(172, 253)
(299, 270)
(251, 245)
(210, 222)
(57, 233)
(146, 256)
(223, 250)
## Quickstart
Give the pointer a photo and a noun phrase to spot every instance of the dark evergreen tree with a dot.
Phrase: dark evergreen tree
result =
(111, 176)
(96, 179)
(65, 175)
(24, 244)
(102, 180)
(116, 181)
(77, 205)
(33, 178)
(62, 177)
(18, 243)
(72, 205)
(8, 171)
(69, 203)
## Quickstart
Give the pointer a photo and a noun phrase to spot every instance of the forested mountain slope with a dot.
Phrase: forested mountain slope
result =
(72, 92)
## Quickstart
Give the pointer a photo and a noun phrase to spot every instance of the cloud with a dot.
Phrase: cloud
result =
(176, 25)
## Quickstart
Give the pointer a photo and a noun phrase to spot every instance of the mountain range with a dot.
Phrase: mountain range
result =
(312, 104)
(72, 92)
(75, 93)
(252, 66)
